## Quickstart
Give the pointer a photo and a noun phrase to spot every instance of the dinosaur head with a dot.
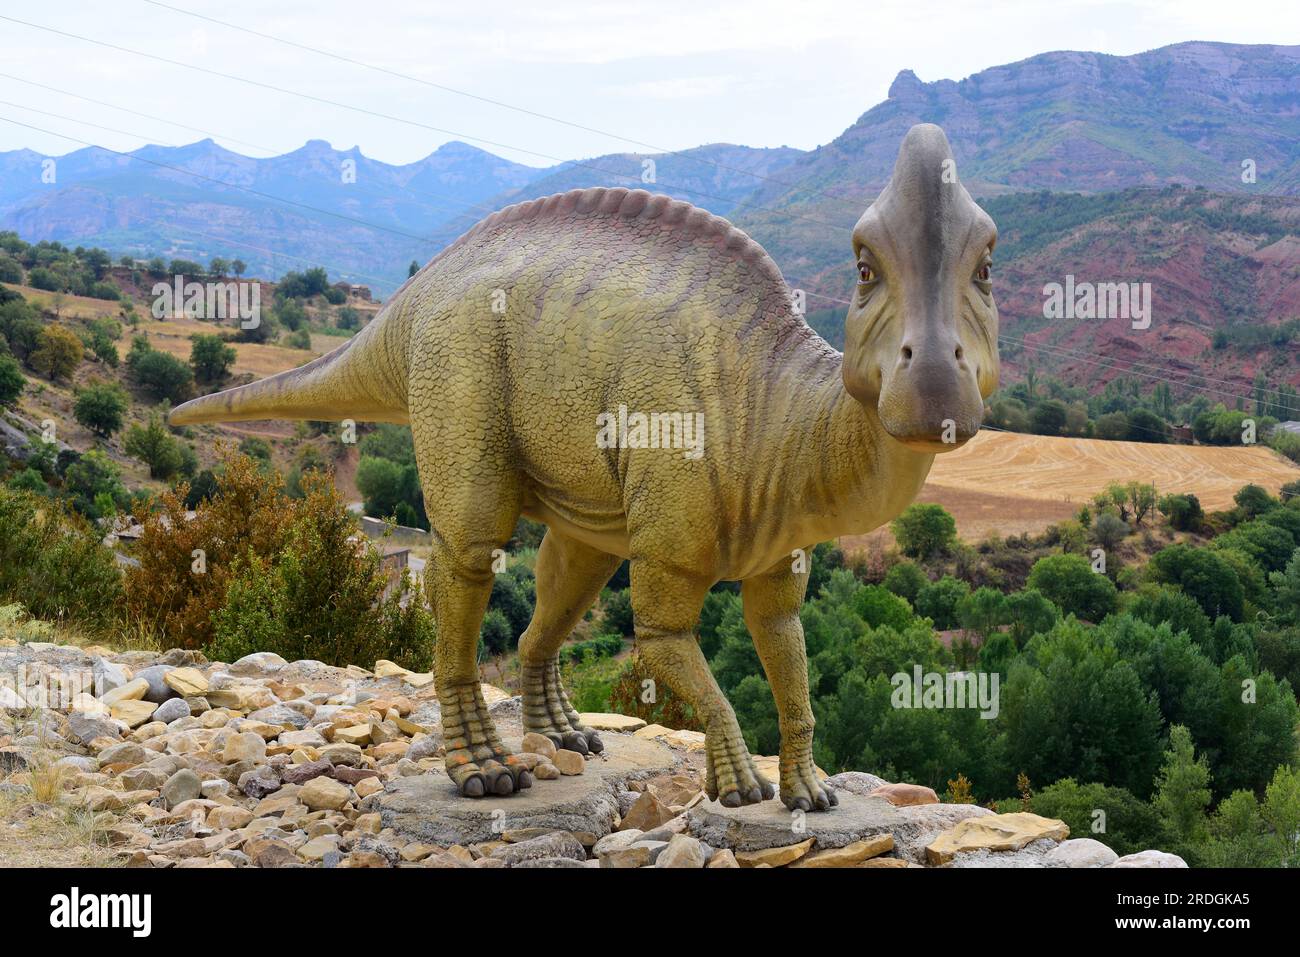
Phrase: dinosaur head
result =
(921, 333)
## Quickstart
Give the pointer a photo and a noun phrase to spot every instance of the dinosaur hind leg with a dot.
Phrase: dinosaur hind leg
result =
(666, 607)
(569, 577)
(472, 514)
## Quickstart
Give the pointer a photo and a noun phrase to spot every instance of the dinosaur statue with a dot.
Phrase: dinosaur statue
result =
(528, 357)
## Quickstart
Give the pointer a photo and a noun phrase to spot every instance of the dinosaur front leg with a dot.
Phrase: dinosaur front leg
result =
(476, 759)
(772, 602)
(569, 577)
(666, 607)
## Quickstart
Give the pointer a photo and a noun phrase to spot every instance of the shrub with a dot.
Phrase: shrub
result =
(57, 354)
(11, 380)
(210, 357)
(1126, 825)
(1070, 582)
(939, 600)
(160, 374)
(154, 445)
(52, 562)
(924, 531)
(1202, 574)
(616, 612)
(1184, 512)
(100, 408)
(906, 579)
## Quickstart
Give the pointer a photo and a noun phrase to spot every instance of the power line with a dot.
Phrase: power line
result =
(399, 119)
(484, 99)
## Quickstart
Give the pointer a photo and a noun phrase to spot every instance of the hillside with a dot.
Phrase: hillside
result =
(1224, 271)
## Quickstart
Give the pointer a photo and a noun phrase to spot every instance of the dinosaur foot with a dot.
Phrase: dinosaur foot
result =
(730, 778)
(547, 710)
(487, 776)
(476, 760)
(800, 788)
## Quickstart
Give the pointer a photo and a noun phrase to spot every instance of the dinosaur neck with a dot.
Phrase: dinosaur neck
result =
(852, 476)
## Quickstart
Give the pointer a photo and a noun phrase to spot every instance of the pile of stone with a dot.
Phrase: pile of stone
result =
(267, 763)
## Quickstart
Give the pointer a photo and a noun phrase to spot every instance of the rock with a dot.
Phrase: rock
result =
(1081, 852)
(281, 715)
(244, 747)
(325, 794)
(602, 721)
(258, 663)
(351, 775)
(855, 782)
(546, 771)
(906, 795)
(539, 744)
(616, 841)
(187, 682)
(674, 789)
(627, 857)
(723, 858)
(108, 676)
(172, 710)
(318, 847)
(857, 818)
(259, 782)
(302, 739)
(158, 689)
(1158, 859)
(86, 728)
(774, 856)
(246, 698)
(302, 773)
(184, 785)
(102, 799)
(850, 855)
(133, 713)
(885, 862)
(997, 832)
(388, 669)
(555, 844)
(128, 753)
(348, 754)
(425, 746)
(356, 734)
(569, 762)
(428, 807)
(646, 813)
(229, 818)
(683, 851)
(368, 786)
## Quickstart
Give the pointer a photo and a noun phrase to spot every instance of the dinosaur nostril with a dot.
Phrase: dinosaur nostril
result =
(907, 353)
(958, 353)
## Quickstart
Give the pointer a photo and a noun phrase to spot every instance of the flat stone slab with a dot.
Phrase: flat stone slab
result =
(857, 817)
(430, 809)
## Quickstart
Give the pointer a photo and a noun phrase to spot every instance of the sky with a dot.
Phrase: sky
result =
(636, 77)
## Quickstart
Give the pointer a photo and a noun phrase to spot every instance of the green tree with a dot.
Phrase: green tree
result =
(1070, 582)
(58, 353)
(11, 380)
(924, 531)
(1204, 575)
(1282, 813)
(906, 579)
(100, 407)
(154, 445)
(211, 358)
(1183, 792)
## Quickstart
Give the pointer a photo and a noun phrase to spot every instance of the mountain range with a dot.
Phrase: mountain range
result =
(1109, 167)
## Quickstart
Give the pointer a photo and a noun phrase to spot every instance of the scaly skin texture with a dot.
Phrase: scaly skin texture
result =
(506, 348)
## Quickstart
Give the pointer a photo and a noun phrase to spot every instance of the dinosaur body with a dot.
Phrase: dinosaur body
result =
(523, 356)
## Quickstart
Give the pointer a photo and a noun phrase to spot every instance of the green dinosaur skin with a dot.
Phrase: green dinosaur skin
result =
(504, 350)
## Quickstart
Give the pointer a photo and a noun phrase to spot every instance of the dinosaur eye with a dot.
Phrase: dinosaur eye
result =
(865, 274)
(985, 272)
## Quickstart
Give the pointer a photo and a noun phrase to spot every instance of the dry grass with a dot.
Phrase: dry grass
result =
(1073, 470)
(49, 834)
(71, 307)
(1006, 483)
(173, 336)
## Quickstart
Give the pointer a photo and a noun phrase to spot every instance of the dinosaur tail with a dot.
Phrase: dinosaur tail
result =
(363, 379)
